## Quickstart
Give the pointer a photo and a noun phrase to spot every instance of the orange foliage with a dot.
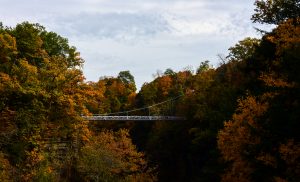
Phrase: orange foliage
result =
(165, 84)
(112, 156)
(237, 137)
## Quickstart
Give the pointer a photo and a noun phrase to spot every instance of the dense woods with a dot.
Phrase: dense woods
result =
(242, 118)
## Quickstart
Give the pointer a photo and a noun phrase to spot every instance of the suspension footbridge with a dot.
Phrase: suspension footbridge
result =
(132, 118)
(127, 115)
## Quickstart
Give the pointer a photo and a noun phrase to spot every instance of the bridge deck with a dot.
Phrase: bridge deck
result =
(131, 118)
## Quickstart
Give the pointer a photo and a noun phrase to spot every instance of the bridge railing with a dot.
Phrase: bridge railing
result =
(131, 118)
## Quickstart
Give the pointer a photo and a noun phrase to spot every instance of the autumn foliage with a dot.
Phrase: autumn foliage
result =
(242, 117)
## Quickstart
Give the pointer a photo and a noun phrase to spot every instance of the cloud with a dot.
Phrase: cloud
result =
(134, 27)
(133, 20)
(139, 35)
(118, 26)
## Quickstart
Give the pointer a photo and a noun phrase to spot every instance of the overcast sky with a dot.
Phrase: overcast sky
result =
(142, 36)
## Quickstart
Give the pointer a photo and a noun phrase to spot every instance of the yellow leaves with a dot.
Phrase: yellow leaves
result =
(183, 76)
(33, 160)
(204, 80)
(249, 110)
(5, 169)
(250, 140)
(82, 132)
(271, 38)
(267, 159)
(286, 38)
(26, 74)
(8, 47)
(43, 88)
(272, 81)
(49, 170)
(7, 42)
(35, 156)
(233, 138)
(5, 81)
(4, 77)
(28, 68)
(287, 34)
(238, 137)
(131, 98)
(70, 102)
(113, 154)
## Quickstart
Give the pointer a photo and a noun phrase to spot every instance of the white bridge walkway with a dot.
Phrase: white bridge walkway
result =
(125, 115)
(132, 118)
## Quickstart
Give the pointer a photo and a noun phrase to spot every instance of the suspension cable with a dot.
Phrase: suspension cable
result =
(139, 109)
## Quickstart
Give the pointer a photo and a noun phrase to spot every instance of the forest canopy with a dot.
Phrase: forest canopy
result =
(242, 118)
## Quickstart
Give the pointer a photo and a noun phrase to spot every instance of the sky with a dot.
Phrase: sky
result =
(142, 36)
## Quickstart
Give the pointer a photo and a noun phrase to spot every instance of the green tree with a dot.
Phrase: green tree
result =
(276, 11)
(126, 77)
(41, 90)
(243, 50)
(169, 72)
(204, 66)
